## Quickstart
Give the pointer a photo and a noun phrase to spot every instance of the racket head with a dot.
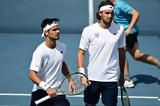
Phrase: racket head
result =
(124, 97)
(76, 78)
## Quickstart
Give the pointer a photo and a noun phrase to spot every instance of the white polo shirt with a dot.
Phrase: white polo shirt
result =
(48, 63)
(102, 45)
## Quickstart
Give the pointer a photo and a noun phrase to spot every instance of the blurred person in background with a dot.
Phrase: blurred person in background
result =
(127, 16)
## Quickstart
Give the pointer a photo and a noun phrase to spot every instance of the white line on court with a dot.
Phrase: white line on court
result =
(131, 97)
(14, 94)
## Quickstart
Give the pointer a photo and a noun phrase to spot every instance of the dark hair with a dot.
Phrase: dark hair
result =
(103, 3)
(48, 21)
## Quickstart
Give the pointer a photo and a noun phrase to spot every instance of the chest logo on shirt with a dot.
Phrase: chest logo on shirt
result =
(115, 33)
(97, 35)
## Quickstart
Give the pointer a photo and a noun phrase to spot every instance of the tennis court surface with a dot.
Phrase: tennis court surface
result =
(15, 57)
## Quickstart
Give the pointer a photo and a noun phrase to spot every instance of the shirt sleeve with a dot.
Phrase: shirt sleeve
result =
(36, 62)
(84, 41)
(121, 42)
(65, 52)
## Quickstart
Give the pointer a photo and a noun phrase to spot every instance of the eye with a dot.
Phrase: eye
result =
(55, 29)
(109, 12)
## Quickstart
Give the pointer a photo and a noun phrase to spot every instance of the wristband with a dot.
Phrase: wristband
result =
(43, 85)
(81, 70)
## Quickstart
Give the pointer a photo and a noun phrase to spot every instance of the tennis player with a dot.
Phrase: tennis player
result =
(47, 66)
(105, 42)
(127, 16)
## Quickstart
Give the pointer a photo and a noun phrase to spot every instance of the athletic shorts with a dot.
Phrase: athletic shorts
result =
(55, 101)
(131, 39)
(108, 91)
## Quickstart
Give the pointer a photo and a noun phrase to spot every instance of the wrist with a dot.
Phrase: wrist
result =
(43, 85)
(81, 70)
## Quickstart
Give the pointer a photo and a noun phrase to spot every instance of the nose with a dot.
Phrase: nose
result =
(110, 14)
(57, 30)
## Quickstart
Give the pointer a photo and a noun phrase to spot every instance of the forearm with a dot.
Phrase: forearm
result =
(80, 58)
(65, 70)
(34, 77)
(135, 16)
(122, 61)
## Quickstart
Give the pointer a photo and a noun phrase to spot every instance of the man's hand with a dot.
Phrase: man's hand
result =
(52, 92)
(72, 87)
(85, 81)
(121, 81)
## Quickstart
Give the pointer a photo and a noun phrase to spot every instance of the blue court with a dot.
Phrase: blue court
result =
(15, 57)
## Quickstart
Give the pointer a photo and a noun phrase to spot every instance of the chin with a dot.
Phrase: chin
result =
(57, 38)
(109, 22)
(53, 39)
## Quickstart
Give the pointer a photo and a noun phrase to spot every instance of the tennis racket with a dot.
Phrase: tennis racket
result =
(64, 88)
(124, 97)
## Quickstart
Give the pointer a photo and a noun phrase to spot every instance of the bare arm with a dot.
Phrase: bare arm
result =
(36, 79)
(65, 70)
(80, 64)
(121, 63)
(135, 16)
(80, 58)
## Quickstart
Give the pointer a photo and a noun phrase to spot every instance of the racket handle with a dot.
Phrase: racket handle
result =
(42, 99)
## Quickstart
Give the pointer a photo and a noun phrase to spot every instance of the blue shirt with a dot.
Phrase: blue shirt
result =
(123, 15)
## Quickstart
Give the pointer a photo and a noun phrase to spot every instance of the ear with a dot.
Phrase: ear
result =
(46, 33)
(100, 14)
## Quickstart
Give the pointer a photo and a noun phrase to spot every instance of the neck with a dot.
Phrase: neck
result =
(113, 1)
(50, 43)
(104, 25)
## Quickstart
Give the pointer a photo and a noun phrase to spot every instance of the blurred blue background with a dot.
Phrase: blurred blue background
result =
(25, 16)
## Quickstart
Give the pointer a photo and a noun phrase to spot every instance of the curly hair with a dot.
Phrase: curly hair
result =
(103, 3)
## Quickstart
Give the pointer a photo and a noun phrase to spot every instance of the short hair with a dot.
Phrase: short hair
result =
(103, 3)
(48, 21)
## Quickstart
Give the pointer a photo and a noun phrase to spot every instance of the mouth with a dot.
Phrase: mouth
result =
(57, 35)
(109, 19)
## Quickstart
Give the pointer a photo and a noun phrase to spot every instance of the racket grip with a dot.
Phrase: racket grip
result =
(42, 99)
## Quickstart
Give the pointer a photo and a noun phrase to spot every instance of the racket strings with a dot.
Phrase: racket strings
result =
(124, 97)
(79, 87)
